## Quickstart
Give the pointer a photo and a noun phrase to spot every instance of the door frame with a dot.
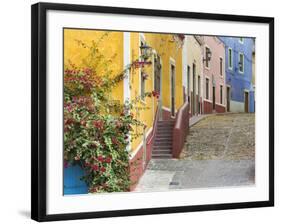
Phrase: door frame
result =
(172, 63)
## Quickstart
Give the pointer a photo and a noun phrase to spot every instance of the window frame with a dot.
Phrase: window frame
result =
(228, 58)
(243, 65)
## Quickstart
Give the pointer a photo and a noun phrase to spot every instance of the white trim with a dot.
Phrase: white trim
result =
(132, 155)
(223, 105)
(126, 62)
(240, 53)
(141, 39)
(230, 68)
(210, 101)
(166, 108)
(126, 81)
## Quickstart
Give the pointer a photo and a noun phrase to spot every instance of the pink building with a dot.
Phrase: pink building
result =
(214, 97)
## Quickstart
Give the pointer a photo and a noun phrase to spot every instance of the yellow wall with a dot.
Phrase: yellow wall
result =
(110, 45)
(194, 56)
(166, 49)
(113, 44)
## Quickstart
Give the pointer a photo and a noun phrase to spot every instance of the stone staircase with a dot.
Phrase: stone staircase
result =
(163, 143)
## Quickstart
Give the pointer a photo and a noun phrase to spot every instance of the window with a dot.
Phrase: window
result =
(207, 89)
(207, 57)
(221, 66)
(241, 40)
(221, 94)
(241, 63)
(230, 58)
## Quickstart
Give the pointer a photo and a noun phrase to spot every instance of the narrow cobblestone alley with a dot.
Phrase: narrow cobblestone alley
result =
(220, 152)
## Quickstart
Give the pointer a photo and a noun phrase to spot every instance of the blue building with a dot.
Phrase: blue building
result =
(239, 53)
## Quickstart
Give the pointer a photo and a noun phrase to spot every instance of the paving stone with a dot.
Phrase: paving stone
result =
(220, 152)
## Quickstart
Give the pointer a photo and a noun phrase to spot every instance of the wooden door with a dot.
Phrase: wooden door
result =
(246, 102)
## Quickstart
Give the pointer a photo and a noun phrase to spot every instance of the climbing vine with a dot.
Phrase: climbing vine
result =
(96, 127)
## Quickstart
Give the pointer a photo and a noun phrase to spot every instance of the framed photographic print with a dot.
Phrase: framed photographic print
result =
(139, 111)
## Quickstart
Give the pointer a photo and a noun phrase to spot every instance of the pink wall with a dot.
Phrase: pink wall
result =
(213, 72)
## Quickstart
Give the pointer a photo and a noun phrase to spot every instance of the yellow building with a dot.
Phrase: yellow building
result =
(164, 75)
(194, 73)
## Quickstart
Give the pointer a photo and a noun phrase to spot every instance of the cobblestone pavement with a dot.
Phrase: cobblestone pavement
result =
(220, 152)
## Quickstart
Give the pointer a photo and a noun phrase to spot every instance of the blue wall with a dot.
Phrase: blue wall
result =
(239, 81)
(71, 180)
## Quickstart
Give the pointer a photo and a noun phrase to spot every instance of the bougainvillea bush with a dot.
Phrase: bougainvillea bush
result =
(96, 128)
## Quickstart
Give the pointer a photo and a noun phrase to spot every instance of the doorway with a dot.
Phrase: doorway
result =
(198, 98)
(214, 98)
(194, 105)
(246, 105)
(172, 90)
(228, 99)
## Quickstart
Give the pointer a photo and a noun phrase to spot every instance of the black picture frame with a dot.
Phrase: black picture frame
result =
(39, 108)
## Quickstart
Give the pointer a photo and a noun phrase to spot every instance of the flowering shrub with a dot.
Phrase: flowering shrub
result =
(97, 129)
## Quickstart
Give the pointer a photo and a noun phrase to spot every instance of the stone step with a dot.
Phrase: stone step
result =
(161, 156)
(166, 132)
(161, 151)
(162, 146)
(163, 138)
(159, 143)
(164, 135)
(165, 125)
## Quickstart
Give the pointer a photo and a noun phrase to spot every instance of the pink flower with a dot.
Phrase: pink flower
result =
(95, 167)
(108, 160)
(102, 169)
(100, 158)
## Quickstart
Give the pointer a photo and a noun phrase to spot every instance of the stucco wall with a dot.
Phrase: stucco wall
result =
(194, 56)
(238, 81)
(213, 72)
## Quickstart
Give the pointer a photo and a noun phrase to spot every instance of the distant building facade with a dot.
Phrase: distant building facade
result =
(194, 74)
(214, 100)
(239, 74)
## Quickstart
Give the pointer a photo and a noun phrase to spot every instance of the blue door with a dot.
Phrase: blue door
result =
(71, 180)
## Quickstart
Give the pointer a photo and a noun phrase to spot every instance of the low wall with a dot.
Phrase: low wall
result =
(208, 107)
